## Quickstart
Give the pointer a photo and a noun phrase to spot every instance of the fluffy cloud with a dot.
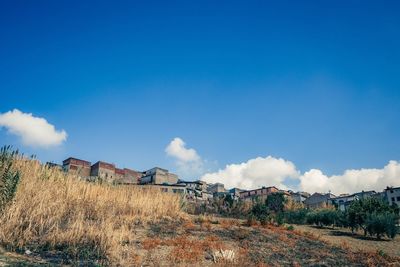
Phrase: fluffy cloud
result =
(352, 180)
(32, 130)
(271, 171)
(188, 161)
(177, 149)
(254, 173)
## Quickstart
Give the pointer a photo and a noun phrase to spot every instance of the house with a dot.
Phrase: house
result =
(344, 200)
(77, 166)
(159, 176)
(196, 190)
(103, 170)
(235, 193)
(299, 197)
(128, 176)
(392, 195)
(216, 188)
(261, 193)
(318, 200)
(166, 188)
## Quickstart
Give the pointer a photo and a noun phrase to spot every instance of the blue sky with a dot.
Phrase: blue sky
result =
(317, 84)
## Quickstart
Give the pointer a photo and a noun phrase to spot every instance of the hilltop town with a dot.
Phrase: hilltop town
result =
(200, 191)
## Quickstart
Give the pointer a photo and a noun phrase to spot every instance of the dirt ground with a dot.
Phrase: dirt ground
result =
(197, 242)
(356, 242)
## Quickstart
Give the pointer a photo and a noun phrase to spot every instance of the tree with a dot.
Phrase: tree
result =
(372, 215)
(381, 223)
(276, 202)
(261, 212)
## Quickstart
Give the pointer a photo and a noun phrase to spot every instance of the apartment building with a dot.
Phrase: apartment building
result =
(158, 176)
(392, 195)
(261, 193)
(77, 166)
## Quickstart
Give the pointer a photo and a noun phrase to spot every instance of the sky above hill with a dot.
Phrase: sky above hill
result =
(300, 94)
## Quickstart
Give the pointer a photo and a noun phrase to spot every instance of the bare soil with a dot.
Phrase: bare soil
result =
(193, 242)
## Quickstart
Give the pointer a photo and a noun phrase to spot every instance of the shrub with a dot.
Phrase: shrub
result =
(276, 202)
(261, 212)
(323, 217)
(374, 216)
(379, 224)
(290, 228)
(9, 178)
(296, 216)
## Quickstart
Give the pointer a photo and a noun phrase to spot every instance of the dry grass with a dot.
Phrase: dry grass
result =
(54, 210)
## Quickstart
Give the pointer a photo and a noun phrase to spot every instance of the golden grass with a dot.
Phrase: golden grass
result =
(54, 210)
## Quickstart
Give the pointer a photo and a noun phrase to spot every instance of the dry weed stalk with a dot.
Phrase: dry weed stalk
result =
(53, 209)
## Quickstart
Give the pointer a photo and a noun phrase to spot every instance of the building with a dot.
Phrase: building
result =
(299, 197)
(261, 193)
(54, 165)
(166, 188)
(392, 195)
(77, 166)
(318, 200)
(158, 176)
(130, 177)
(235, 193)
(103, 170)
(195, 190)
(343, 201)
(216, 188)
(108, 172)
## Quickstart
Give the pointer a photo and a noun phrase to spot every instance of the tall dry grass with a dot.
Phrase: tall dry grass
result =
(54, 210)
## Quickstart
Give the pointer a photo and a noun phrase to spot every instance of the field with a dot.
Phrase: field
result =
(344, 237)
(58, 219)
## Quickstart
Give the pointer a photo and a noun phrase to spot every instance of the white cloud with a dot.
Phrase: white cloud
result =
(271, 171)
(352, 180)
(254, 173)
(188, 161)
(177, 149)
(33, 131)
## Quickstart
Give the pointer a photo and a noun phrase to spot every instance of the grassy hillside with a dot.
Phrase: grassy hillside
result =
(85, 221)
(51, 218)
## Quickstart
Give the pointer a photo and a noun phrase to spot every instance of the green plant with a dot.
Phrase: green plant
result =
(290, 228)
(261, 212)
(374, 216)
(276, 202)
(9, 178)
(296, 216)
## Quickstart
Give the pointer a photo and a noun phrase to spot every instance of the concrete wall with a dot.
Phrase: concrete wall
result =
(77, 166)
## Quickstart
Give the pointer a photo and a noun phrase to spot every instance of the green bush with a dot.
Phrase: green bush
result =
(324, 217)
(9, 178)
(296, 216)
(374, 216)
(261, 212)
(378, 224)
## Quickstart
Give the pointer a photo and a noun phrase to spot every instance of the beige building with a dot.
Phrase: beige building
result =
(158, 176)
(261, 193)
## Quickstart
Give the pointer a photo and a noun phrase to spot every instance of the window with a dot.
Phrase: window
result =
(398, 198)
(393, 199)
